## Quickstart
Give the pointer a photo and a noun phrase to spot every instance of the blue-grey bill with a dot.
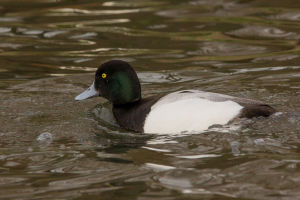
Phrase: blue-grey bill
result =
(89, 93)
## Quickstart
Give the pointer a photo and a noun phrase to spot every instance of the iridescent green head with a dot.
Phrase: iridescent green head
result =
(116, 81)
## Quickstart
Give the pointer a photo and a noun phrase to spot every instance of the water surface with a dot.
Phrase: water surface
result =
(54, 147)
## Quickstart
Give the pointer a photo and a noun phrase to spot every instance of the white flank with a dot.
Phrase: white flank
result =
(188, 112)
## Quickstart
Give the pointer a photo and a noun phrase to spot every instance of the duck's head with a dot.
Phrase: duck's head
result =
(116, 81)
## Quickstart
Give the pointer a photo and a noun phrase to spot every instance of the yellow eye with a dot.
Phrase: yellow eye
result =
(104, 75)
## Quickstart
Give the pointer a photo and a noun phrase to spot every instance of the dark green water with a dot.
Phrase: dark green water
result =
(49, 50)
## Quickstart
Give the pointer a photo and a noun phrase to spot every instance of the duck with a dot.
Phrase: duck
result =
(172, 113)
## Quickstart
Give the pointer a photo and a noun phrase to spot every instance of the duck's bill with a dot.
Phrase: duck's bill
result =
(89, 93)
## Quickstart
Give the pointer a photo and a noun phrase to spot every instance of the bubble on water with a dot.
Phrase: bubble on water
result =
(235, 147)
(259, 141)
(45, 137)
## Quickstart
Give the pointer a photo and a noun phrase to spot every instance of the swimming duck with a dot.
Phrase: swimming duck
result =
(186, 110)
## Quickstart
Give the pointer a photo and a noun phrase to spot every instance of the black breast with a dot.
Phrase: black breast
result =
(132, 116)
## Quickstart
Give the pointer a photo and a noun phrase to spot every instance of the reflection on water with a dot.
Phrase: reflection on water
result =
(54, 147)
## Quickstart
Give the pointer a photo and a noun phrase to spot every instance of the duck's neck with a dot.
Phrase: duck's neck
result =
(132, 115)
(128, 117)
(128, 104)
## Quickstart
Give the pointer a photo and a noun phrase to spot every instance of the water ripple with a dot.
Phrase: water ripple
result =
(264, 32)
(243, 48)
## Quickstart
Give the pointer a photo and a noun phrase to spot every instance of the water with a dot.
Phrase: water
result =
(54, 147)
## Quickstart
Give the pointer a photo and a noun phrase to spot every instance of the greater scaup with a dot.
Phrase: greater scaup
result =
(187, 110)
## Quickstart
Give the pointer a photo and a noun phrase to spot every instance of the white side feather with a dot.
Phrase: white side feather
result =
(193, 111)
